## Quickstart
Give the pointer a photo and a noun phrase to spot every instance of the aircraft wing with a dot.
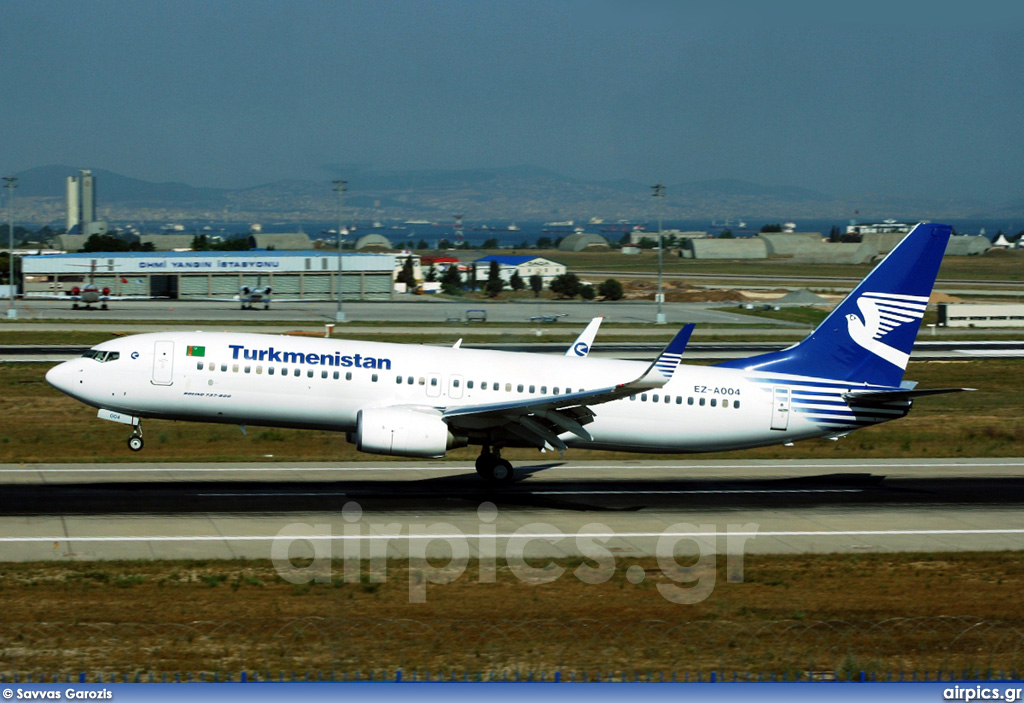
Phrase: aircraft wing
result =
(539, 420)
(69, 296)
(51, 296)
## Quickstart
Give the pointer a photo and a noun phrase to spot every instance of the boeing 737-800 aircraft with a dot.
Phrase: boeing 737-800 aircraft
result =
(421, 401)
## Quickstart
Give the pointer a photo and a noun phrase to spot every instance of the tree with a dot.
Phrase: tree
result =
(727, 234)
(451, 281)
(587, 292)
(406, 275)
(516, 282)
(536, 284)
(567, 285)
(422, 244)
(444, 244)
(610, 290)
(491, 243)
(544, 243)
(431, 275)
(771, 228)
(5, 266)
(834, 234)
(494, 282)
(104, 242)
(200, 242)
(234, 244)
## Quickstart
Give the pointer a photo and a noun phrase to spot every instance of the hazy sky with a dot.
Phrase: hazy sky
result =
(881, 97)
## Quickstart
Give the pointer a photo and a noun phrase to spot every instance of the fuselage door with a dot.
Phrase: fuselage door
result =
(434, 385)
(455, 386)
(163, 363)
(780, 408)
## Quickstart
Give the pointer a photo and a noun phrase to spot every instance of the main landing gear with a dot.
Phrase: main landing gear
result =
(135, 441)
(492, 467)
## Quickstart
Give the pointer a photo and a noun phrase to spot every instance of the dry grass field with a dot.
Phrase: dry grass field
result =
(792, 614)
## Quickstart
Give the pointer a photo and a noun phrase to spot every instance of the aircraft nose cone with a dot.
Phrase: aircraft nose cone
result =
(60, 377)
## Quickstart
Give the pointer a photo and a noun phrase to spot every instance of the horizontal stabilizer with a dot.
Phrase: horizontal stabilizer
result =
(901, 394)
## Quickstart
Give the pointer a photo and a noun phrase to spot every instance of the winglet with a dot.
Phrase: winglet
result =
(581, 347)
(660, 372)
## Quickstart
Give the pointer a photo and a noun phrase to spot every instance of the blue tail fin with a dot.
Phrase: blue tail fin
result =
(868, 337)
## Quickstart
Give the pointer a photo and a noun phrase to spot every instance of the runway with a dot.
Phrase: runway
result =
(628, 508)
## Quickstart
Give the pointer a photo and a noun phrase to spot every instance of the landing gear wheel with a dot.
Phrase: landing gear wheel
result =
(493, 469)
(502, 472)
(135, 443)
(485, 465)
(103, 307)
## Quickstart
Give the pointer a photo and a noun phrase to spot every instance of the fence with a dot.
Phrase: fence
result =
(337, 648)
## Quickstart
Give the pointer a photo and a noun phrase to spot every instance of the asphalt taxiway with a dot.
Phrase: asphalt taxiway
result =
(630, 508)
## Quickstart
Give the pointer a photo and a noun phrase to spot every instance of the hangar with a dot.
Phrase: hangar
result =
(746, 248)
(307, 275)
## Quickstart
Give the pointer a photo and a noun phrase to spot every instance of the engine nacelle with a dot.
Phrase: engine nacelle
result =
(402, 432)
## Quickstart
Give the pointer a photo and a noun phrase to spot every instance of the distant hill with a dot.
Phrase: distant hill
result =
(518, 193)
(49, 181)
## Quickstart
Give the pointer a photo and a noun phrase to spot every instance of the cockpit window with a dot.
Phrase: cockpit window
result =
(102, 356)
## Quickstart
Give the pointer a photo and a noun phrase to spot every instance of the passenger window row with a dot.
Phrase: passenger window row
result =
(407, 380)
(275, 371)
(678, 400)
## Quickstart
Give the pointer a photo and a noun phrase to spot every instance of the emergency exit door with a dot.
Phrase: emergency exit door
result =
(780, 409)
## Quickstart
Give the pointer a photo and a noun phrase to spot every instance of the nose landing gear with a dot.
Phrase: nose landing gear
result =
(135, 441)
(493, 468)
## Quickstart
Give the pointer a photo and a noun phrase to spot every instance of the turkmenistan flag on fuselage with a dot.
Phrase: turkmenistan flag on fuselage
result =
(196, 351)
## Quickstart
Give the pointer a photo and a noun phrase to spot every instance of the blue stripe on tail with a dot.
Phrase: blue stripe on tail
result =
(868, 337)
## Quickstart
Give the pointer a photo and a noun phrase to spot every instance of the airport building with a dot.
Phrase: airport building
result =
(525, 266)
(981, 315)
(195, 275)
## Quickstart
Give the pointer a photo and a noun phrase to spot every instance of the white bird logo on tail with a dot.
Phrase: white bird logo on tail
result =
(884, 312)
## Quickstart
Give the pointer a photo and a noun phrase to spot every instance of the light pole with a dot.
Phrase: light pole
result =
(659, 192)
(339, 188)
(10, 182)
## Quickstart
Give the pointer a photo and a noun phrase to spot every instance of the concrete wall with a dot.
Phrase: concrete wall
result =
(786, 243)
(964, 245)
(836, 253)
(884, 242)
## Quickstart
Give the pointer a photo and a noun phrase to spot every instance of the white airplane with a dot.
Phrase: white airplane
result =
(250, 296)
(421, 401)
(90, 294)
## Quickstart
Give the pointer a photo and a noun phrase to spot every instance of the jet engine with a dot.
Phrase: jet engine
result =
(403, 432)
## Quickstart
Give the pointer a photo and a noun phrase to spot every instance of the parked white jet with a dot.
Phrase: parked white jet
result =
(421, 401)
